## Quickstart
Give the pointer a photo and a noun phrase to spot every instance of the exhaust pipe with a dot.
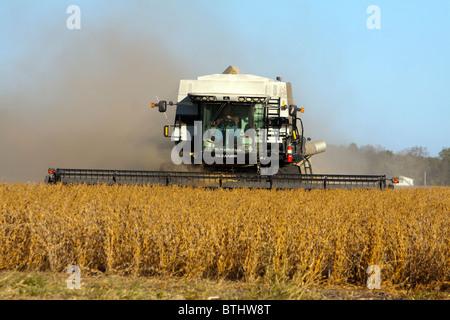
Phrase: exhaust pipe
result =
(315, 147)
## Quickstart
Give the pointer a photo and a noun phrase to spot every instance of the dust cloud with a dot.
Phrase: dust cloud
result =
(86, 104)
(413, 162)
(345, 160)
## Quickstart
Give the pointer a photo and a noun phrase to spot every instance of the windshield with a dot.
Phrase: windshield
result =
(236, 117)
(227, 116)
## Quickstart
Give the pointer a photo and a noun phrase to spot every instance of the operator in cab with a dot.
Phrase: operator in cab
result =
(228, 119)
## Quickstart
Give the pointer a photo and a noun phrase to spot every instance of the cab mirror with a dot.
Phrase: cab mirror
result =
(292, 110)
(162, 106)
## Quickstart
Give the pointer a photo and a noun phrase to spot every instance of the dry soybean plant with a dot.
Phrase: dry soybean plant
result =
(299, 235)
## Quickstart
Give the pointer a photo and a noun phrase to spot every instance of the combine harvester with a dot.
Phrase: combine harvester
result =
(233, 130)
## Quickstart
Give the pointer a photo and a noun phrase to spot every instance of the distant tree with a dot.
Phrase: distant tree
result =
(444, 167)
(417, 151)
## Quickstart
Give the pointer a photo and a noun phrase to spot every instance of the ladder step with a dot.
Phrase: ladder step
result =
(273, 110)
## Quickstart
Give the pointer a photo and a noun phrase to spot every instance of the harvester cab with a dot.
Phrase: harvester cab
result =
(236, 121)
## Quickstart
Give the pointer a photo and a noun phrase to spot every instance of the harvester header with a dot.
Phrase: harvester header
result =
(232, 130)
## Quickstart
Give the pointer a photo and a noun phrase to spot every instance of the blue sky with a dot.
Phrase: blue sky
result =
(387, 87)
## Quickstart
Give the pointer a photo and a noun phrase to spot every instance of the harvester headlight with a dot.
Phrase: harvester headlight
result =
(241, 99)
(204, 98)
(212, 98)
(197, 98)
(249, 99)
